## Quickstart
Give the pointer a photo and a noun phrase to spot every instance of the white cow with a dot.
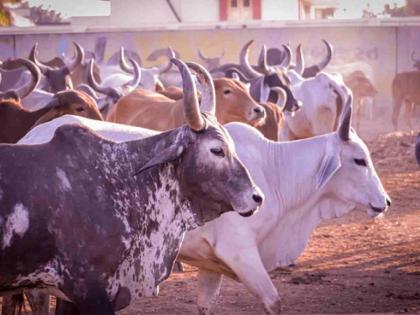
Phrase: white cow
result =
(304, 182)
(323, 97)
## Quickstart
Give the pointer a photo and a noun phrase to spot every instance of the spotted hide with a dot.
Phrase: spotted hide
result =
(83, 226)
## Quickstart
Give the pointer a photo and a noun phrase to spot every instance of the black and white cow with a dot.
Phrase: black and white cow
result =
(100, 223)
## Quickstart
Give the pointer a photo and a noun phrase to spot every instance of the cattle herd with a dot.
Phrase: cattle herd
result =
(109, 172)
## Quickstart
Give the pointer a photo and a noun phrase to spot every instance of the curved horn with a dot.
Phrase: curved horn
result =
(244, 62)
(202, 56)
(137, 73)
(33, 57)
(345, 126)
(123, 62)
(288, 56)
(191, 107)
(232, 70)
(262, 61)
(315, 69)
(92, 81)
(206, 88)
(167, 67)
(88, 90)
(27, 89)
(281, 97)
(78, 59)
(300, 61)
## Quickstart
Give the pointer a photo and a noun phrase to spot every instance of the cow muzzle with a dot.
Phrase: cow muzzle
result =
(252, 203)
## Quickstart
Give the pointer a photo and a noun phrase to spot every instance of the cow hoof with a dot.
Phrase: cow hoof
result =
(274, 309)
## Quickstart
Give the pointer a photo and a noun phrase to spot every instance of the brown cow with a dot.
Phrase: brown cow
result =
(152, 110)
(274, 116)
(16, 121)
(362, 88)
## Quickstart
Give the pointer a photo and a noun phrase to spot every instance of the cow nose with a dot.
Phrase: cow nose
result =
(258, 110)
(388, 202)
(257, 198)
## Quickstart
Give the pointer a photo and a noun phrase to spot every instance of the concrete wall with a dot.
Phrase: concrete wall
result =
(379, 51)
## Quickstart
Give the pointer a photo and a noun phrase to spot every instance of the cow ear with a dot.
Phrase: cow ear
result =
(329, 166)
(169, 154)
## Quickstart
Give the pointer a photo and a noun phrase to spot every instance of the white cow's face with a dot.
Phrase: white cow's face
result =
(356, 181)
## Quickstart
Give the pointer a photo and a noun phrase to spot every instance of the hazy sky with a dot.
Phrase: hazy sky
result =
(346, 9)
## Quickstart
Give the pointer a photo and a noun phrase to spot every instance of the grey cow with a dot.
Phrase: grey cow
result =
(100, 223)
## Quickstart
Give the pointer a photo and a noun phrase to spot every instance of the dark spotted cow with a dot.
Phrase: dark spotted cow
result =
(100, 223)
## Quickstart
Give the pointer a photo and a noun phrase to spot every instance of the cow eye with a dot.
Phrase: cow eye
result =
(361, 162)
(226, 92)
(218, 152)
(79, 109)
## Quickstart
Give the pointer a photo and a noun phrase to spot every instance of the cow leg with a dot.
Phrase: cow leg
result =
(39, 302)
(396, 113)
(11, 304)
(409, 106)
(249, 268)
(209, 284)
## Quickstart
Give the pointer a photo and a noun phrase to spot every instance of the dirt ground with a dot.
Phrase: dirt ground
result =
(352, 265)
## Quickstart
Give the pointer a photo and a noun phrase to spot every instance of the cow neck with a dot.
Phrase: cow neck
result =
(31, 117)
(301, 206)
(145, 149)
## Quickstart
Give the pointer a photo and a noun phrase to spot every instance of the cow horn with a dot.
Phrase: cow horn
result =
(233, 70)
(244, 62)
(191, 106)
(88, 90)
(33, 57)
(281, 95)
(345, 126)
(202, 56)
(78, 59)
(92, 81)
(123, 62)
(300, 61)
(206, 88)
(27, 89)
(137, 73)
(262, 61)
(167, 67)
(315, 69)
(288, 56)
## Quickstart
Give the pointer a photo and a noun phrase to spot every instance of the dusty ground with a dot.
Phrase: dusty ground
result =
(352, 265)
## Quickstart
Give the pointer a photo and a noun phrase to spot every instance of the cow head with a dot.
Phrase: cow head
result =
(263, 82)
(58, 79)
(70, 102)
(211, 175)
(211, 62)
(347, 171)
(115, 93)
(416, 62)
(234, 103)
(149, 76)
